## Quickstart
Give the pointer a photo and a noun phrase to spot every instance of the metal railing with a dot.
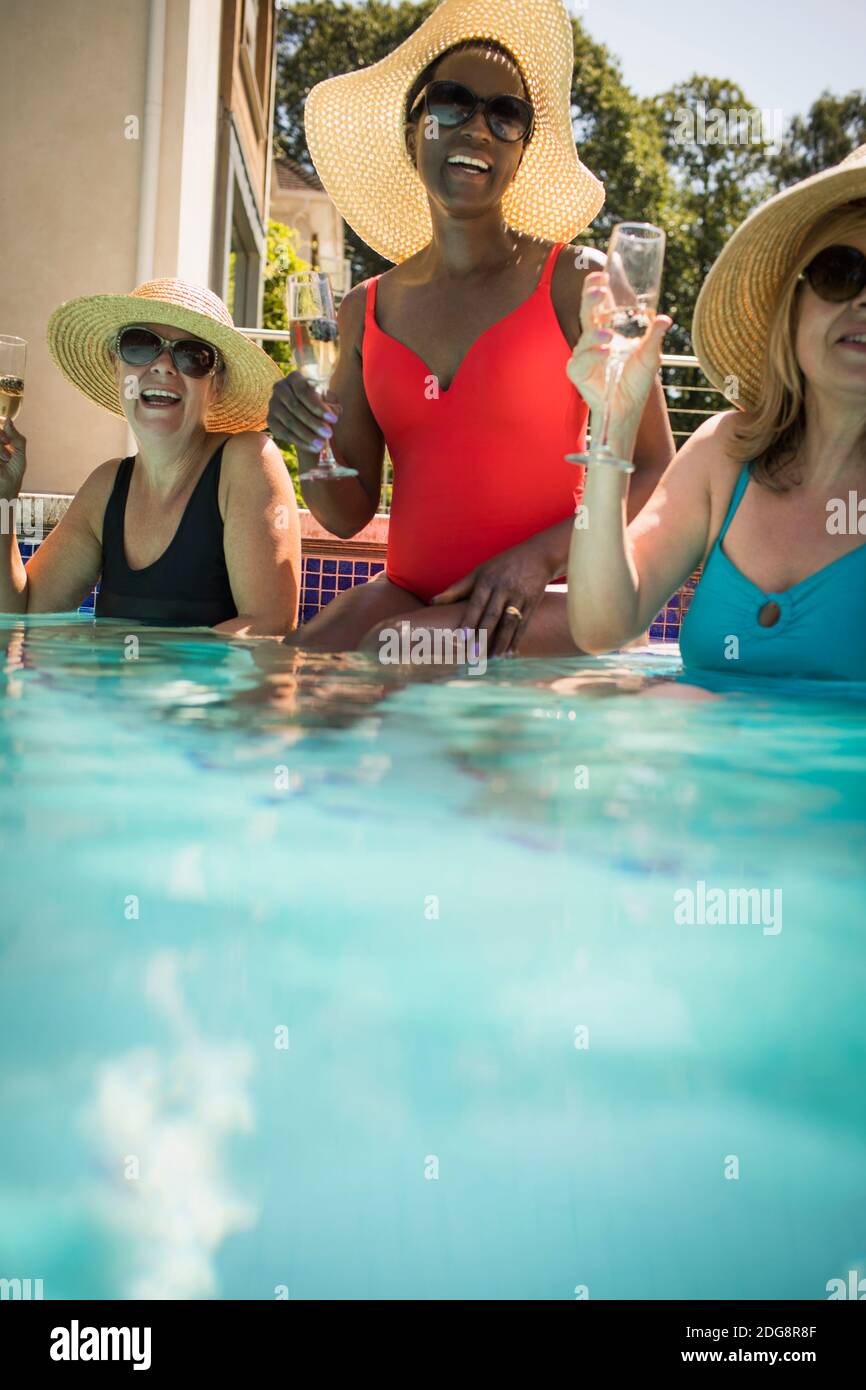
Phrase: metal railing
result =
(701, 398)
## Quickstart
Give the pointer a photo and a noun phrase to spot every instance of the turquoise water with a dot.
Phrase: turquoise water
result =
(319, 980)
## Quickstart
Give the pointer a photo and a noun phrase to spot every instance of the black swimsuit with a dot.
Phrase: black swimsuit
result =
(188, 586)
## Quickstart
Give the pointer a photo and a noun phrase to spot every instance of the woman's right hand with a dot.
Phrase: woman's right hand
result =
(13, 460)
(300, 415)
(587, 365)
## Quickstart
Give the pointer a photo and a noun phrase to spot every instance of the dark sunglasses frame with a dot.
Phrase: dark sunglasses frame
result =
(476, 102)
(845, 270)
(175, 347)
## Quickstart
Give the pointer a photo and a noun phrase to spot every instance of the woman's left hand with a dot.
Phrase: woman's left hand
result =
(587, 366)
(515, 579)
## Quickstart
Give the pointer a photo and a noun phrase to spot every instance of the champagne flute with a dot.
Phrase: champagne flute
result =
(13, 356)
(313, 320)
(635, 257)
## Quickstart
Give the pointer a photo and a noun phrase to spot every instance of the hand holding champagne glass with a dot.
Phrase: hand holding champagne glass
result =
(313, 320)
(618, 314)
(13, 356)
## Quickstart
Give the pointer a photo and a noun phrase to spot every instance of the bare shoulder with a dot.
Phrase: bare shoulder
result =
(351, 313)
(250, 449)
(713, 458)
(244, 448)
(252, 467)
(100, 482)
(253, 479)
(89, 503)
(715, 442)
(576, 261)
(573, 264)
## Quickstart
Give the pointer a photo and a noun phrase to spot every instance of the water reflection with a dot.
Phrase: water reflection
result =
(162, 1120)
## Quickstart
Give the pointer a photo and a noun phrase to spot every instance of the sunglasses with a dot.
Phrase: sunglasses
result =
(451, 104)
(837, 273)
(138, 347)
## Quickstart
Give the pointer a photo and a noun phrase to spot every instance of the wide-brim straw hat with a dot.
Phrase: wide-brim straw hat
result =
(355, 129)
(731, 323)
(82, 331)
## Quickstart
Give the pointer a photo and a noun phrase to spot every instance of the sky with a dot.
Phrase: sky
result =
(783, 53)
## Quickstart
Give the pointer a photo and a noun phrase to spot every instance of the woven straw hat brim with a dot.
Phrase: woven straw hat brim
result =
(355, 130)
(81, 331)
(730, 328)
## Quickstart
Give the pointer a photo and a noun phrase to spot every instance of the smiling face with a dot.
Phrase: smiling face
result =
(157, 399)
(461, 190)
(831, 338)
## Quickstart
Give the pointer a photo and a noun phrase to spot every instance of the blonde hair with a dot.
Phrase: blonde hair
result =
(771, 434)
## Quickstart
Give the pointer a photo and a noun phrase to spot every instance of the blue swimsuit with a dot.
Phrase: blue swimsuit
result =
(820, 632)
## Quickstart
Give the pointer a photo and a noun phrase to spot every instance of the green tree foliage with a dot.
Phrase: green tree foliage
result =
(283, 260)
(618, 139)
(833, 128)
(318, 39)
(717, 168)
(713, 143)
(690, 160)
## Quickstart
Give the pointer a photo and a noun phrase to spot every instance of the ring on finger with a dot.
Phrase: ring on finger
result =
(514, 612)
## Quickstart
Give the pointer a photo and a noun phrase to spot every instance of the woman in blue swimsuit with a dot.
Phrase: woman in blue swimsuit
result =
(770, 498)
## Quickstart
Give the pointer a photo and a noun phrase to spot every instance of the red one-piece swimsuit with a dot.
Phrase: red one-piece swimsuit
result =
(480, 467)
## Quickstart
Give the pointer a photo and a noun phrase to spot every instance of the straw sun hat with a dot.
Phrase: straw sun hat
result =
(82, 331)
(355, 129)
(732, 316)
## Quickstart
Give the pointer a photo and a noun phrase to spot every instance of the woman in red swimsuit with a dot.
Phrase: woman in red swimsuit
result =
(457, 358)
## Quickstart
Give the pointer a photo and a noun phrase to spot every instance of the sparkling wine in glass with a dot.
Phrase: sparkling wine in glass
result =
(635, 257)
(13, 356)
(313, 320)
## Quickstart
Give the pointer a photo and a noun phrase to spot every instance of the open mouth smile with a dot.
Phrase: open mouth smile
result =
(467, 166)
(154, 398)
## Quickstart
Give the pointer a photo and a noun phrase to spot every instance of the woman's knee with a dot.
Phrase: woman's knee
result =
(372, 638)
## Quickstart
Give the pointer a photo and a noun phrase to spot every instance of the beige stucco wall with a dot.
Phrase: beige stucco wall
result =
(73, 72)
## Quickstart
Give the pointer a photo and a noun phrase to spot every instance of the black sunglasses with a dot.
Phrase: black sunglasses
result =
(137, 347)
(837, 273)
(452, 105)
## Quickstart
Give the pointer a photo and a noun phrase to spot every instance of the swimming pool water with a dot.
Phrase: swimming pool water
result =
(323, 981)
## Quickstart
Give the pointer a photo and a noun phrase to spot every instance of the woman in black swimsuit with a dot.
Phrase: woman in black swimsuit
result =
(200, 527)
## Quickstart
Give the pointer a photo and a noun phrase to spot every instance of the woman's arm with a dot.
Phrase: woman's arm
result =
(66, 566)
(620, 575)
(653, 451)
(261, 537)
(654, 448)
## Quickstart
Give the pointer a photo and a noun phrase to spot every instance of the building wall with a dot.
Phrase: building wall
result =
(311, 213)
(74, 87)
(72, 73)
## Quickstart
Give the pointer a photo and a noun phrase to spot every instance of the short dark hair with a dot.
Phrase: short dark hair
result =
(430, 71)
